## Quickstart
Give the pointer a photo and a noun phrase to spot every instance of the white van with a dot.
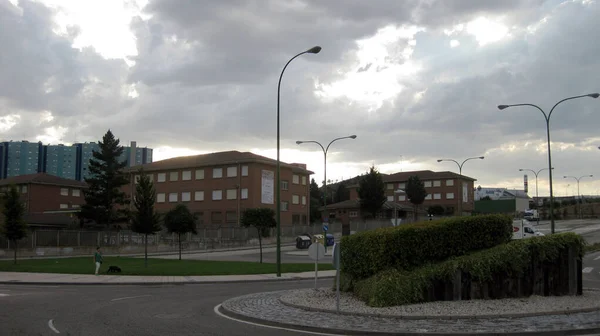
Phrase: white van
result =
(523, 229)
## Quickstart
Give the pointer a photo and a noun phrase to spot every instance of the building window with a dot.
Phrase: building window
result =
(199, 174)
(284, 206)
(75, 206)
(244, 170)
(64, 206)
(216, 217)
(303, 180)
(295, 219)
(428, 197)
(173, 176)
(437, 183)
(217, 195)
(390, 186)
(401, 197)
(353, 214)
(231, 171)
(244, 193)
(186, 175)
(199, 196)
(161, 177)
(173, 197)
(217, 172)
(303, 200)
(427, 184)
(231, 194)
(186, 196)
(449, 195)
(284, 185)
(295, 179)
(295, 199)
(390, 198)
(24, 190)
(401, 185)
(231, 216)
(160, 198)
(449, 183)
(64, 191)
(75, 192)
(437, 196)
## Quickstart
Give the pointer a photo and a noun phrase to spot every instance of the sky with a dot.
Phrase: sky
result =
(415, 80)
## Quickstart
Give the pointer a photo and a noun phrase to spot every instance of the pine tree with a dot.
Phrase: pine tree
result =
(416, 193)
(145, 220)
(371, 191)
(104, 194)
(14, 228)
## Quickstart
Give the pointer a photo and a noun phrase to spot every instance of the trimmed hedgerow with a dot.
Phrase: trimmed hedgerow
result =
(394, 287)
(410, 246)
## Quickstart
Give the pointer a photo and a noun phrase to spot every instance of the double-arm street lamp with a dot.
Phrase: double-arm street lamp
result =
(313, 50)
(460, 165)
(547, 118)
(325, 150)
(578, 194)
(536, 173)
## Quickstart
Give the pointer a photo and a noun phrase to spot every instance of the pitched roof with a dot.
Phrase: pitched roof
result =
(355, 204)
(212, 159)
(42, 178)
(424, 175)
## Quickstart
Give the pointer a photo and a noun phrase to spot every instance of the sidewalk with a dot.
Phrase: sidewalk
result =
(23, 278)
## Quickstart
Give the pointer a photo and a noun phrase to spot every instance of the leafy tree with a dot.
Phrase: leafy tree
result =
(315, 201)
(262, 219)
(104, 186)
(14, 228)
(371, 191)
(342, 193)
(180, 220)
(415, 192)
(144, 219)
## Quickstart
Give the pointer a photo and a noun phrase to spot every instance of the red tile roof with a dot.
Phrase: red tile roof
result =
(423, 175)
(42, 178)
(213, 159)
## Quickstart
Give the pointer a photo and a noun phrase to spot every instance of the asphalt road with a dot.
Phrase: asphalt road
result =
(130, 310)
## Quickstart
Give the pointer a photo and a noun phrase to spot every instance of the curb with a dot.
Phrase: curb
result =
(147, 283)
(228, 313)
(443, 317)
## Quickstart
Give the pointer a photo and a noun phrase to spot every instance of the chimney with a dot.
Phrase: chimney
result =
(132, 154)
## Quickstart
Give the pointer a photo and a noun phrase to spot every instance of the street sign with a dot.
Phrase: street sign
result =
(325, 227)
(316, 251)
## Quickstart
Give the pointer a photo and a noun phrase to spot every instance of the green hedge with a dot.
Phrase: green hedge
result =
(409, 246)
(393, 287)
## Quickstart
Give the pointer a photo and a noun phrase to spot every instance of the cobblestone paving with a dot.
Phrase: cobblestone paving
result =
(266, 306)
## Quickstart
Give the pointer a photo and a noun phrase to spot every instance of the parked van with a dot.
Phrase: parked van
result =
(523, 229)
(531, 214)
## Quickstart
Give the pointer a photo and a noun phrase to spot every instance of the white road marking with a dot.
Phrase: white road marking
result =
(3, 294)
(587, 270)
(51, 325)
(598, 257)
(216, 309)
(129, 297)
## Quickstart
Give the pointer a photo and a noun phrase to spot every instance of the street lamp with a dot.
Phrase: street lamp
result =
(547, 118)
(313, 50)
(460, 165)
(325, 150)
(578, 194)
(536, 183)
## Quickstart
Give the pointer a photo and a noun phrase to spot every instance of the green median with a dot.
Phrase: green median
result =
(166, 267)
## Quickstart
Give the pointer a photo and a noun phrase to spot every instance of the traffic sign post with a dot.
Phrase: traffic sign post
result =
(336, 264)
(316, 251)
(325, 228)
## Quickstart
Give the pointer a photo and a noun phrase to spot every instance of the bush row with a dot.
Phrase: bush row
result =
(409, 246)
(394, 287)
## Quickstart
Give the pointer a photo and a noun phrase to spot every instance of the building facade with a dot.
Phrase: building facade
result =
(19, 158)
(218, 187)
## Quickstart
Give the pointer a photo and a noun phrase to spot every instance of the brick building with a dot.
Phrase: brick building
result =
(49, 200)
(219, 186)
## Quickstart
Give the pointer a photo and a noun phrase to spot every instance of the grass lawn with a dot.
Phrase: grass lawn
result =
(135, 266)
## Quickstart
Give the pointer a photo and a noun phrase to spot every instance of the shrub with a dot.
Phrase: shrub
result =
(409, 246)
(394, 287)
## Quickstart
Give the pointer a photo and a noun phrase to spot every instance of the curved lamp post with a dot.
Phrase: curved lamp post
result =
(325, 150)
(578, 194)
(460, 165)
(547, 118)
(313, 50)
(536, 173)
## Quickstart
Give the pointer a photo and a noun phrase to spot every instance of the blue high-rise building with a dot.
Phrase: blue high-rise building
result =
(72, 162)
